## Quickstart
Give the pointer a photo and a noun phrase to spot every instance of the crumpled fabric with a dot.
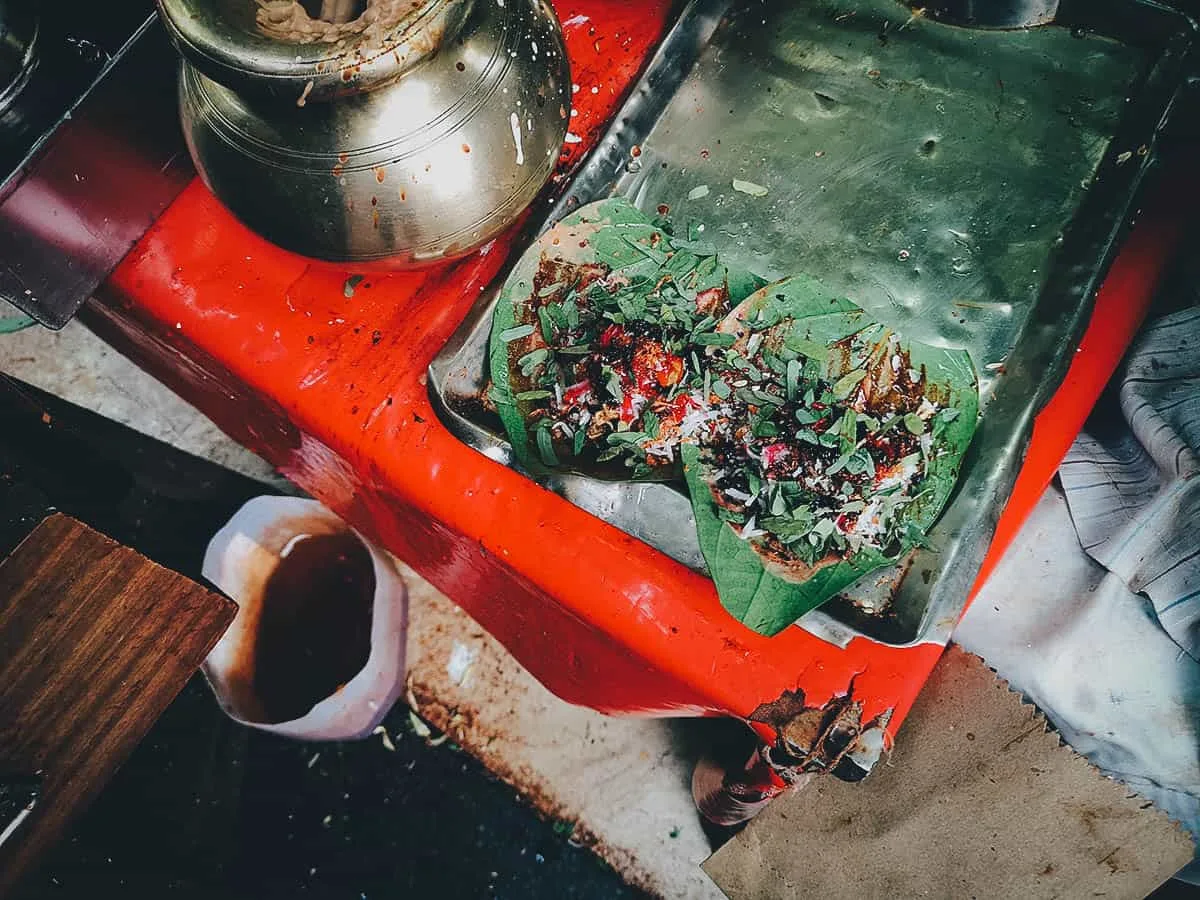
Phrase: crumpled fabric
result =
(1133, 483)
(1094, 613)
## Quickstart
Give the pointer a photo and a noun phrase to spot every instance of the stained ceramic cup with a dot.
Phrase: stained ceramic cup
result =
(316, 651)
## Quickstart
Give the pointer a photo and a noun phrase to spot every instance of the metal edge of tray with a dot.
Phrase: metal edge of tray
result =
(1036, 369)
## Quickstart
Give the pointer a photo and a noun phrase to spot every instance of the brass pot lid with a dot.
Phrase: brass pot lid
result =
(312, 50)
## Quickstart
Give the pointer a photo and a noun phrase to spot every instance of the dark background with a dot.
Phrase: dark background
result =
(208, 808)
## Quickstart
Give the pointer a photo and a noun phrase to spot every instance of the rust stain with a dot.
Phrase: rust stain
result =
(487, 722)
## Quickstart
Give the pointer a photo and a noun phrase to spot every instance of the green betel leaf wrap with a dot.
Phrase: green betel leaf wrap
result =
(838, 352)
(597, 323)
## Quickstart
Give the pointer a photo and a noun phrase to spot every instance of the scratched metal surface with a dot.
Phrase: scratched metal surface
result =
(967, 186)
(925, 175)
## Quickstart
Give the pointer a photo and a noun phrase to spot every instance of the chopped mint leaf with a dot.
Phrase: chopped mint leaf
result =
(546, 447)
(516, 333)
(844, 386)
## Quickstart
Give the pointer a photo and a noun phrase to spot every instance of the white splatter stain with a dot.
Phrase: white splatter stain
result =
(516, 132)
(461, 659)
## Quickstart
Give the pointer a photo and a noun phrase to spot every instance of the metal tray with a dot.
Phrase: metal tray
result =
(968, 186)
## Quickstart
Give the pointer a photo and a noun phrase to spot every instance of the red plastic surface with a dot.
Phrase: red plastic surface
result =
(332, 390)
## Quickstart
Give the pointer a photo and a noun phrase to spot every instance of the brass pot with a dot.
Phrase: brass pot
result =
(403, 133)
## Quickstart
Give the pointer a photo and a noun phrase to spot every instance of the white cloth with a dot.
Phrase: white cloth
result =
(1133, 483)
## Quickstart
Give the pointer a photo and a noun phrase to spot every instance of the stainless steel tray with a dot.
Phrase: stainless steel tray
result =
(968, 186)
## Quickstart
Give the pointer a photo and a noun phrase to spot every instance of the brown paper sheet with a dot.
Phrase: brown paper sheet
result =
(979, 799)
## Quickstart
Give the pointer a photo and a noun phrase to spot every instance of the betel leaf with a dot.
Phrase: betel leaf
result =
(617, 236)
(768, 592)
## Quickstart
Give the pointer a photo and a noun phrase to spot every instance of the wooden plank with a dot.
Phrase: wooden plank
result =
(95, 641)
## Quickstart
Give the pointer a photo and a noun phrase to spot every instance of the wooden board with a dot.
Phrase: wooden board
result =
(95, 641)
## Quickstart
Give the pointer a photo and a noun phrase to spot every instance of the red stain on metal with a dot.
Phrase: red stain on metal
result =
(547, 579)
(732, 797)
(800, 742)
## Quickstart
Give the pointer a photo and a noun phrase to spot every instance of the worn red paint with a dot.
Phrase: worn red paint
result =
(332, 390)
